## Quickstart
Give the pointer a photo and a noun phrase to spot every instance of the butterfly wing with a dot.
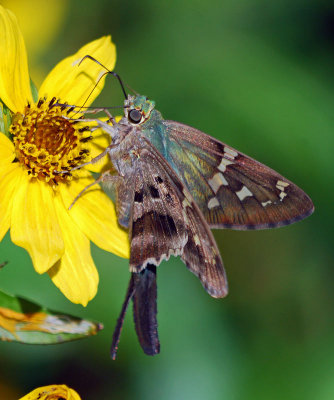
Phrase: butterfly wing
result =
(166, 221)
(145, 310)
(231, 189)
(157, 228)
(142, 289)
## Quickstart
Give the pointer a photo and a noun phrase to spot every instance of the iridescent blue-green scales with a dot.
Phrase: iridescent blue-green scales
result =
(174, 183)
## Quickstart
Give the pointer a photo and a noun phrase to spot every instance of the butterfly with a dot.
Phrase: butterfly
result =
(174, 184)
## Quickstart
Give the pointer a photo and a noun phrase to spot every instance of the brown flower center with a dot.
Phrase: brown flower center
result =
(46, 141)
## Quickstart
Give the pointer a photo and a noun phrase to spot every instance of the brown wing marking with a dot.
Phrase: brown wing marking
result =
(158, 230)
(188, 235)
(236, 191)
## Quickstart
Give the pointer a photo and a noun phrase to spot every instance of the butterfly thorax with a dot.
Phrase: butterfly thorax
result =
(132, 136)
(125, 154)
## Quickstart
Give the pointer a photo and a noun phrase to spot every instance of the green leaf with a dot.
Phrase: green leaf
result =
(5, 120)
(27, 322)
(34, 91)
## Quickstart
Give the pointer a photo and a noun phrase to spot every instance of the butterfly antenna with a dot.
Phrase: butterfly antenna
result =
(83, 106)
(107, 72)
(132, 90)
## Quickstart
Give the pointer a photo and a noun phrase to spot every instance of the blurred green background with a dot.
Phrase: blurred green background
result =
(259, 76)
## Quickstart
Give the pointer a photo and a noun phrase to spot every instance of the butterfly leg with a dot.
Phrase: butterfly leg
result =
(106, 111)
(96, 111)
(93, 160)
(102, 178)
(110, 129)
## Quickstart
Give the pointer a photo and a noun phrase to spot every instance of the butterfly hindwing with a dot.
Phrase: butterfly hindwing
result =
(231, 189)
(166, 221)
(145, 310)
(157, 228)
(142, 289)
(201, 254)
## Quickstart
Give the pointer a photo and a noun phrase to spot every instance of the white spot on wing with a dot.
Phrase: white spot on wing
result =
(223, 164)
(217, 181)
(230, 153)
(265, 203)
(213, 203)
(196, 240)
(282, 195)
(281, 185)
(243, 193)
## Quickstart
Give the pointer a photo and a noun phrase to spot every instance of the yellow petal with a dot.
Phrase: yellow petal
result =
(14, 76)
(7, 152)
(34, 224)
(9, 178)
(73, 83)
(75, 274)
(95, 214)
(52, 392)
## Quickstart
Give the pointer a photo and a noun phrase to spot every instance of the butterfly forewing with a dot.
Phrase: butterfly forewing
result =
(231, 189)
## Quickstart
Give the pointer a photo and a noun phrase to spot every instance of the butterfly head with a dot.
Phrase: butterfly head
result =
(138, 109)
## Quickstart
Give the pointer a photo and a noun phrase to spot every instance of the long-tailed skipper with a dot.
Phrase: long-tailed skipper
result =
(173, 184)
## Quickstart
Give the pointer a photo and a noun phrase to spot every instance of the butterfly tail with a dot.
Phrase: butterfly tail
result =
(145, 309)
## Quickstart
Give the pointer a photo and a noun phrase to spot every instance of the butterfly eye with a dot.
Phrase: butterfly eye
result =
(135, 116)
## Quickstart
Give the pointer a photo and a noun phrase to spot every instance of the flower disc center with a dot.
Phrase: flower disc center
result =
(46, 142)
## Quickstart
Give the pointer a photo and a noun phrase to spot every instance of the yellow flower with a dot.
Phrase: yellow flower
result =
(34, 199)
(52, 392)
(49, 17)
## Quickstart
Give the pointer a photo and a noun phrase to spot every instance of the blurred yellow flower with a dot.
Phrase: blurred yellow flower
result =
(48, 17)
(52, 392)
(34, 199)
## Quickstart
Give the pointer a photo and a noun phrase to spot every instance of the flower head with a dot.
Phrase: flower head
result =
(42, 140)
(52, 392)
